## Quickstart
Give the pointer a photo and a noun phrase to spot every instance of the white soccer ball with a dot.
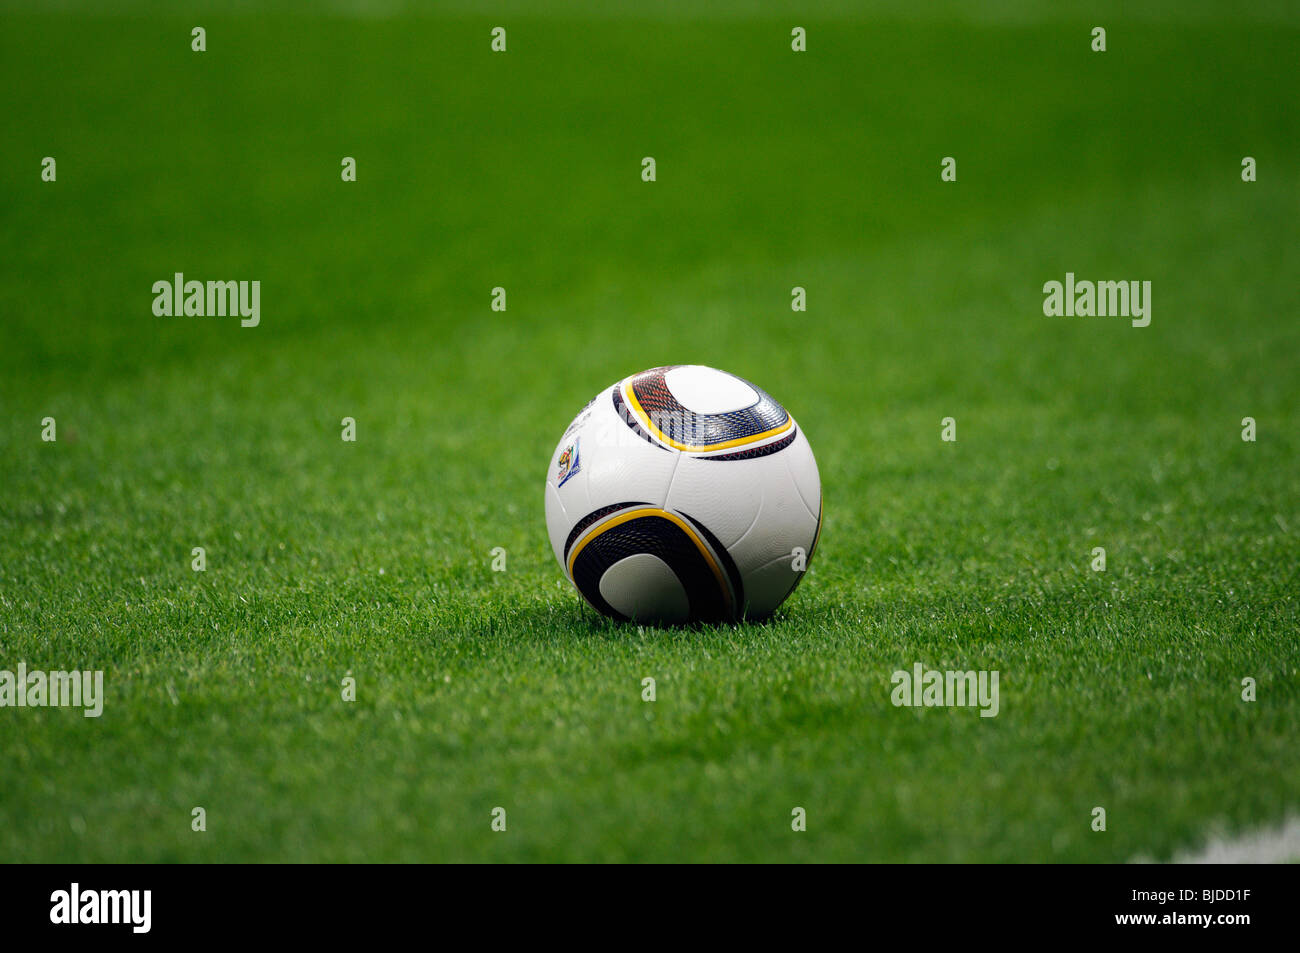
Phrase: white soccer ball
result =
(683, 494)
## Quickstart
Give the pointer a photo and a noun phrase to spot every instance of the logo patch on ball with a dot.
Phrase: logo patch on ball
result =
(569, 464)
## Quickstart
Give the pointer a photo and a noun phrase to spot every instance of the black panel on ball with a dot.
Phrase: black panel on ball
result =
(660, 537)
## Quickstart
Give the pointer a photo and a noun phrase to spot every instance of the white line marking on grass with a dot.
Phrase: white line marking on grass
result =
(1277, 845)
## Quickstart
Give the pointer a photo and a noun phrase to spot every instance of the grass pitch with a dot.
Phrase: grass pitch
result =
(478, 689)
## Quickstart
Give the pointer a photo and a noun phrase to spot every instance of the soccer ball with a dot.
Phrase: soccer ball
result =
(683, 494)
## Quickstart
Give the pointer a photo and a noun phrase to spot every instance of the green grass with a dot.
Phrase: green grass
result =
(477, 689)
